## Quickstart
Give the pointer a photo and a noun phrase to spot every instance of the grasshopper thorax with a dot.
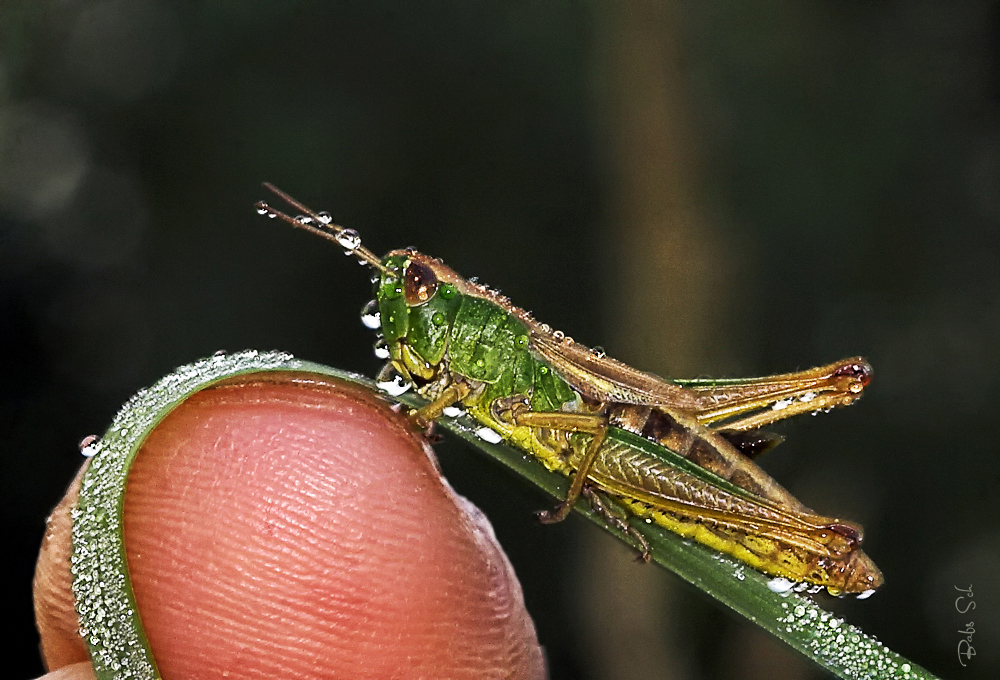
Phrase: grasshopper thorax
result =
(433, 321)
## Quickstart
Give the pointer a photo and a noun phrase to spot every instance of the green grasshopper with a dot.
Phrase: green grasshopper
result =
(591, 418)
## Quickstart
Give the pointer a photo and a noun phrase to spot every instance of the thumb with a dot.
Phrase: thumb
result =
(290, 525)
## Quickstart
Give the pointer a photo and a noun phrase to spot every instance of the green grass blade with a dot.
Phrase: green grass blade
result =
(103, 590)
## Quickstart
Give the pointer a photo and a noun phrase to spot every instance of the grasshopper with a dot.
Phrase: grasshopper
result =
(585, 415)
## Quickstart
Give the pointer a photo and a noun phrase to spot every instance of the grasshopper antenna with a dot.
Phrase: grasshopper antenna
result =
(322, 224)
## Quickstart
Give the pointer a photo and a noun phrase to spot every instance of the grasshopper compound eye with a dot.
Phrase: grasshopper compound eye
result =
(419, 283)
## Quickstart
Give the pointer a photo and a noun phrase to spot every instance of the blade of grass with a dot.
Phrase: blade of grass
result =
(842, 649)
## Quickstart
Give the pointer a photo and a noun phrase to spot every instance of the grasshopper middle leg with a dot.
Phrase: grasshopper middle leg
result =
(596, 425)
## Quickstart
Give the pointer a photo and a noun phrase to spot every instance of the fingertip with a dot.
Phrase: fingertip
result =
(76, 671)
(293, 525)
(55, 616)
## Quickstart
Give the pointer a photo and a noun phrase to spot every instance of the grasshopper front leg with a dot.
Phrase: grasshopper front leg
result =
(424, 416)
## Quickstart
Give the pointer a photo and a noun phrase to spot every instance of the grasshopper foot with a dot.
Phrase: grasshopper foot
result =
(424, 426)
(604, 509)
(558, 514)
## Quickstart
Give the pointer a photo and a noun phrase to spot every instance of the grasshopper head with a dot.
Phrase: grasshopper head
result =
(417, 299)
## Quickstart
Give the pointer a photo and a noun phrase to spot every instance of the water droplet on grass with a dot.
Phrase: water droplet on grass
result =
(489, 435)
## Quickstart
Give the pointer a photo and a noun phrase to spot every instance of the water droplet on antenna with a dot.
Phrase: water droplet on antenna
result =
(349, 240)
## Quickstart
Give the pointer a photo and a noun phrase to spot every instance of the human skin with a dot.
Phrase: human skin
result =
(290, 525)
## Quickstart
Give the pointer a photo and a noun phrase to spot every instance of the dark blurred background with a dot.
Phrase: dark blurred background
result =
(711, 188)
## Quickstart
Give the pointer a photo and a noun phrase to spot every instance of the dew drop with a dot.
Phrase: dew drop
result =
(780, 585)
(488, 435)
(381, 349)
(781, 404)
(88, 446)
(349, 240)
(599, 352)
(263, 209)
(395, 386)
(866, 594)
(304, 219)
(454, 411)
(325, 217)
(370, 317)
(558, 335)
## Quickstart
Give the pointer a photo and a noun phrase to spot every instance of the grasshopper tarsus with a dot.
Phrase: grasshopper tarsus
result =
(427, 428)
(602, 507)
(556, 515)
